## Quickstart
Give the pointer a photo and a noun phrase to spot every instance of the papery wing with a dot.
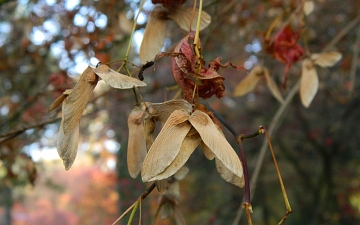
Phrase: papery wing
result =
(117, 80)
(187, 20)
(309, 82)
(77, 100)
(249, 82)
(59, 100)
(67, 144)
(187, 148)
(166, 145)
(154, 35)
(326, 59)
(227, 175)
(162, 111)
(216, 141)
(273, 87)
(136, 143)
(207, 151)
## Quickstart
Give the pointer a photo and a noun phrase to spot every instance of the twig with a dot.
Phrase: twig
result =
(354, 63)
(274, 125)
(142, 196)
(14, 133)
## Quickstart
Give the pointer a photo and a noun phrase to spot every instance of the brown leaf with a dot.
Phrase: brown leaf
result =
(326, 59)
(249, 82)
(77, 100)
(184, 16)
(117, 80)
(136, 143)
(188, 146)
(309, 82)
(154, 35)
(166, 145)
(67, 144)
(59, 100)
(161, 111)
(273, 87)
(214, 139)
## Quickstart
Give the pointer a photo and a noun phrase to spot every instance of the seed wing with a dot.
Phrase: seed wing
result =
(214, 139)
(166, 145)
(77, 100)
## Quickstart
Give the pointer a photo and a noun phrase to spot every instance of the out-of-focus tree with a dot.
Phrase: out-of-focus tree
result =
(45, 46)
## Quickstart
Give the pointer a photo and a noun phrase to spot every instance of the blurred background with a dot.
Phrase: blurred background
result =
(45, 46)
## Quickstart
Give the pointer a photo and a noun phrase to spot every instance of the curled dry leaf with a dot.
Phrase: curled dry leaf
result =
(273, 87)
(285, 48)
(77, 99)
(59, 100)
(154, 35)
(207, 82)
(249, 82)
(187, 20)
(308, 7)
(117, 80)
(309, 82)
(326, 59)
(67, 143)
(137, 141)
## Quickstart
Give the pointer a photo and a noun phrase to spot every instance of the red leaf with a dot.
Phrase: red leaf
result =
(184, 70)
(285, 48)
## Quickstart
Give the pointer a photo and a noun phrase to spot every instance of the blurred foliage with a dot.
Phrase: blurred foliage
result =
(44, 46)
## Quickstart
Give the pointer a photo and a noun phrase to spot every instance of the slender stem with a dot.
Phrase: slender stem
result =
(142, 196)
(133, 30)
(196, 39)
(245, 171)
(133, 211)
(287, 204)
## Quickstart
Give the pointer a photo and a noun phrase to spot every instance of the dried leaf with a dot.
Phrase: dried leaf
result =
(214, 139)
(136, 143)
(227, 175)
(187, 148)
(154, 35)
(162, 111)
(184, 16)
(273, 87)
(309, 82)
(326, 59)
(166, 145)
(77, 100)
(67, 144)
(249, 82)
(59, 100)
(308, 7)
(117, 80)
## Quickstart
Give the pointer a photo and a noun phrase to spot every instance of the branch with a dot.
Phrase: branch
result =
(274, 125)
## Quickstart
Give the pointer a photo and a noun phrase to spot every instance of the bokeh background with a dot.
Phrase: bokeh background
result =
(44, 47)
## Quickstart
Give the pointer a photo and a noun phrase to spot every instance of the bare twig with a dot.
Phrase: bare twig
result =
(274, 125)
(354, 63)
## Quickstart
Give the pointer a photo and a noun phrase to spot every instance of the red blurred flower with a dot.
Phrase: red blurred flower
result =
(285, 48)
